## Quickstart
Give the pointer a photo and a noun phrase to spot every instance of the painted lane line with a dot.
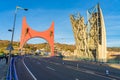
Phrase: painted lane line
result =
(115, 76)
(50, 68)
(87, 71)
(30, 71)
(76, 79)
(55, 63)
(91, 72)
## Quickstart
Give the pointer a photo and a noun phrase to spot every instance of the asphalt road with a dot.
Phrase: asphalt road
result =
(22, 72)
(98, 68)
(39, 68)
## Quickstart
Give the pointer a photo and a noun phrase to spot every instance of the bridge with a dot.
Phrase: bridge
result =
(34, 67)
(53, 68)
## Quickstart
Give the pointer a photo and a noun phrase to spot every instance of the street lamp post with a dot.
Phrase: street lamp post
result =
(13, 29)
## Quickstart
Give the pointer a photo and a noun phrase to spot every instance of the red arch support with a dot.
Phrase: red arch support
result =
(28, 33)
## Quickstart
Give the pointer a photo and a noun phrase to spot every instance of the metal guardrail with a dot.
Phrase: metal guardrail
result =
(15, 73)
(11, 74)
(9, 77)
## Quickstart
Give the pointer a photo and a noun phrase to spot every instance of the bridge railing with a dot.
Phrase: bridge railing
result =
(14, 72)
(11, 74)
(9, 77)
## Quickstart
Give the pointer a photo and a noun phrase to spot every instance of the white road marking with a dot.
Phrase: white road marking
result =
(55, 63)
(50, 68)
(76, 79)
(85, 71)
(30, 72)
(91, 72)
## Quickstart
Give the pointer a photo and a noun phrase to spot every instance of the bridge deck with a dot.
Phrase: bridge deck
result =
(22, 72)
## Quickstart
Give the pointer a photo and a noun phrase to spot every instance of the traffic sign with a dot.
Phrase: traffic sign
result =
(10, 47)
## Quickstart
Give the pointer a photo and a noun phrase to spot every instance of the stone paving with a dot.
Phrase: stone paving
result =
(3, 69)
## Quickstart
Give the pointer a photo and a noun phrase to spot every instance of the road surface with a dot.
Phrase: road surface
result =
(38, 68)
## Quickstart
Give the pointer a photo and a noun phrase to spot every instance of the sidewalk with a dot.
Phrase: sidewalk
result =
(117, 66)
(3, 69)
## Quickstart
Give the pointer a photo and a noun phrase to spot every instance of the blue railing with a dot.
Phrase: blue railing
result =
(15, 73)
(11, 74)
(9, 77)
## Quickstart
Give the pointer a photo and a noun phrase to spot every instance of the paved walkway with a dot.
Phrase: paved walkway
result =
(3, 69)
(117, 66)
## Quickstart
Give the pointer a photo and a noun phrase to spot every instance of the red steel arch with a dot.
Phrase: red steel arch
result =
(28, 33)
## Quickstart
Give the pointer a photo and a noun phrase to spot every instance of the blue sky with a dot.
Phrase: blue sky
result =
(41, 13)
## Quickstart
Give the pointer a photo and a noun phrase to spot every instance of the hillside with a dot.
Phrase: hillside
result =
(58, 46)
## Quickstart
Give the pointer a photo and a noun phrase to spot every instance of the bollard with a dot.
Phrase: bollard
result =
(77, 66)
(107, 72)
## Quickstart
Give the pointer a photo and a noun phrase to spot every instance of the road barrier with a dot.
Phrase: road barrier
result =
(11, 74)
(9, 77)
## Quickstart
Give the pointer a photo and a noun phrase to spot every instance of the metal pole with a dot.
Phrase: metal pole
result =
(13, 29)
(13, 26)
(11, 43)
